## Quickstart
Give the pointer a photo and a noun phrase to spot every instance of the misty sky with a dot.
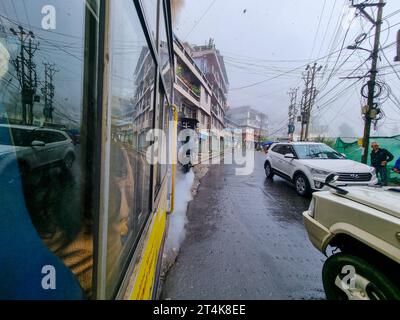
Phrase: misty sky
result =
(262, 39)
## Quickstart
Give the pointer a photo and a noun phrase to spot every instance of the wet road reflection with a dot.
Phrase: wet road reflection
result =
(246, 240)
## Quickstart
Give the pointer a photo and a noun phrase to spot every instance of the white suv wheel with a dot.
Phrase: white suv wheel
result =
(302, 185)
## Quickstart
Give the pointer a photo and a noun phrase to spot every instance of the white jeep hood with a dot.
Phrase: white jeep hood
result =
(337, 166)
(378, 198)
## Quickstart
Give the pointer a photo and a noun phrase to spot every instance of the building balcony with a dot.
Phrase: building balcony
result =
(189, 90)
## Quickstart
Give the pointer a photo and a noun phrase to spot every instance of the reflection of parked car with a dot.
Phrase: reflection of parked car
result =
(364, 223)
(307, 164)
(75, 135)
(35, 147)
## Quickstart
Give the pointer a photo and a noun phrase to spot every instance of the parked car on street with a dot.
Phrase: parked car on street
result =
(307, 164)
(35, 148)
(363, 225)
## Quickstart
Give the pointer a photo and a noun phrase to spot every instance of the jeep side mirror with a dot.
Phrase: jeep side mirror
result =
(289, 156)
(331, 178)
(37, 143)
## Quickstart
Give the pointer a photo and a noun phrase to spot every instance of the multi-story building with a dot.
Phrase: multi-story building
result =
(200, 90)
(140, 116)
(211, 63)
(192, 91)
(253, 123)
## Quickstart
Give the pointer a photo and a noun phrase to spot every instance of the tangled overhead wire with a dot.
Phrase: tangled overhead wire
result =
(382, 94)
(377, 93)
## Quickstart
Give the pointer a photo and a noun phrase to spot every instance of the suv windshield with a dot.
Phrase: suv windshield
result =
(20, 137)
(316, 151)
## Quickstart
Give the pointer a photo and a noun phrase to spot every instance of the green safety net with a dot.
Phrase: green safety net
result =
(351, 148)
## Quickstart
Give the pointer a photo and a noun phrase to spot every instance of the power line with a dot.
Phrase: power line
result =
(390, 64)
(341, 109)
(26, 14)
(339, 55)
(15, 10)
(297, 68)
(336, 34)
(327, 28)
(342, 81)
(304, 60)
(392, 14)
(318, 27)
(282, 74)
(4, 7)
(201, 18)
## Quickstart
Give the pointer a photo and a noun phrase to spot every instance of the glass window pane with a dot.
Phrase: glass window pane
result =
(132, 99)
(150, 12)
(44, 220)
(161, 123)
(166, 69)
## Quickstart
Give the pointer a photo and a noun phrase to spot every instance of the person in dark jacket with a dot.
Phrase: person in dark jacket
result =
(379, 160)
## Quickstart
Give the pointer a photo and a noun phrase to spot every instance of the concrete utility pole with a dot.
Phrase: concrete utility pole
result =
(48, 91)
(26, 71)
(292, 112)
(261, 128)
(309, 94)
(371, 110)
(304, 100)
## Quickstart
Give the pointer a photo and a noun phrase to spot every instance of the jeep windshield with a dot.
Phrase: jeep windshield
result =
(19, 137)
(316, 151)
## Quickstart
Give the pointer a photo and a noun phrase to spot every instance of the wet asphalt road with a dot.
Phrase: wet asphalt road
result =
(245, 240)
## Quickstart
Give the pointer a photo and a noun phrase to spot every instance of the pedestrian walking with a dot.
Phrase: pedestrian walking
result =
(380, 157)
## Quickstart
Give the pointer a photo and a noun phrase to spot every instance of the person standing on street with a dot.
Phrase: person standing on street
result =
(379, 160)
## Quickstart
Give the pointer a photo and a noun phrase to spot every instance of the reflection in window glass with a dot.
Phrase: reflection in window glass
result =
(161, 122)
(131, 98)
(41, 113)
(164, 54)
(150, 11)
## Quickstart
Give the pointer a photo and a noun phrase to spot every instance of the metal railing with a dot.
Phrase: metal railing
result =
(187, 89)
(189, 57)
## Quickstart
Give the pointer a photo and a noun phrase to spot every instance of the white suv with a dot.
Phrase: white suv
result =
(34, 148)
(307, 164)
